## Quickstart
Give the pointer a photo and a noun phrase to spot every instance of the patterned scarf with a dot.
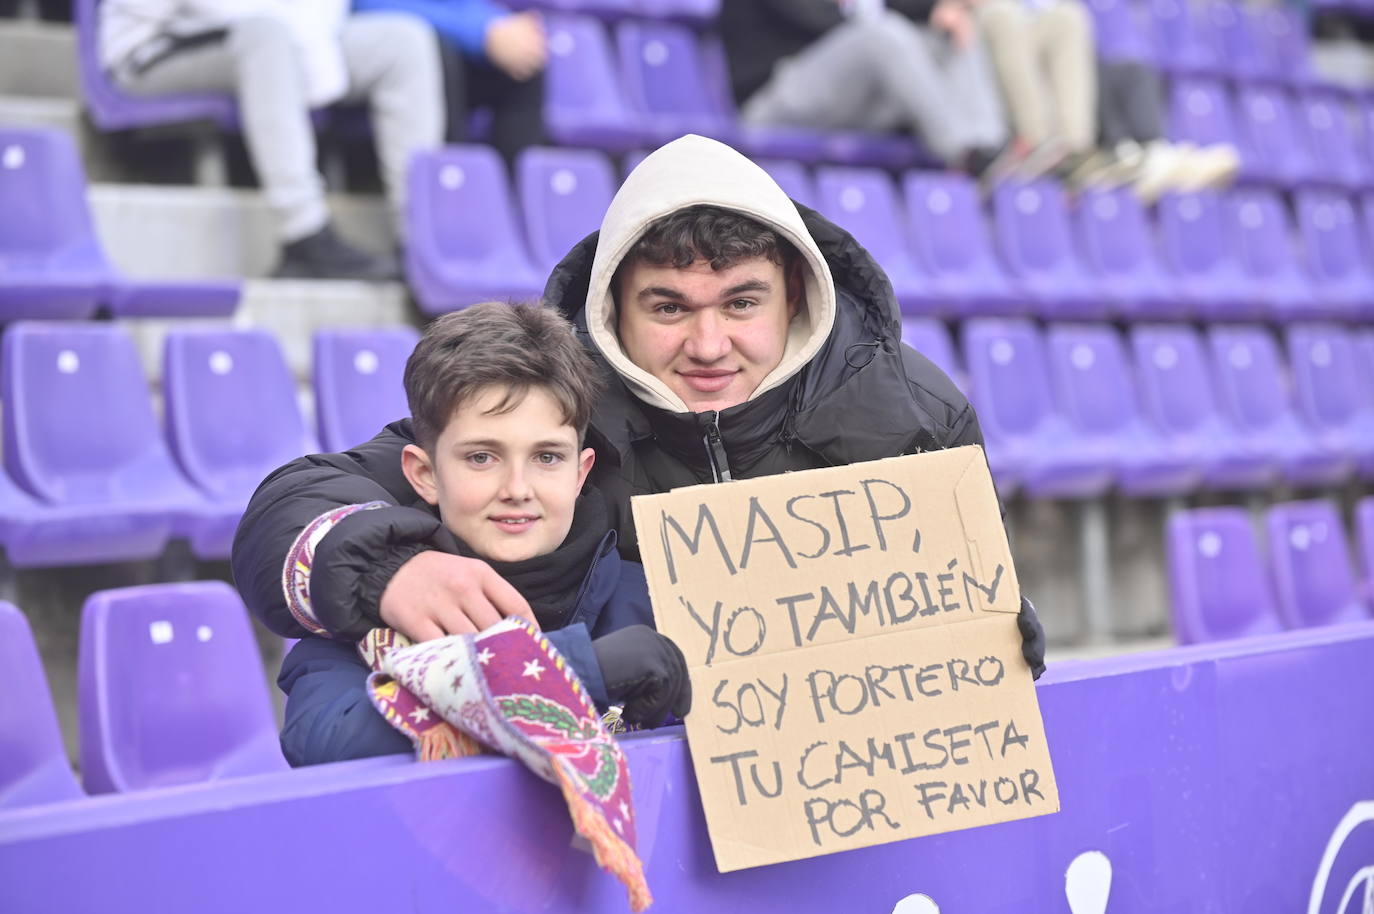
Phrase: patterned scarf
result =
(509, 689)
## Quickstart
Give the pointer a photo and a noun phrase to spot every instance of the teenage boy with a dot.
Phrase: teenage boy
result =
(500, 398)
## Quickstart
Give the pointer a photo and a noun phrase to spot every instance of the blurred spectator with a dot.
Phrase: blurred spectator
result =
(493, 59)
(1043, 54)
(916, 65)
(281, 58)
(1130, 109)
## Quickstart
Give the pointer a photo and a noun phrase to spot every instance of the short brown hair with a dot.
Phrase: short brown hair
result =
(721, 237)
(498, 345)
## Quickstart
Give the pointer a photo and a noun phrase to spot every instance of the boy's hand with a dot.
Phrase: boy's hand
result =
(436, 594)
(646, 671)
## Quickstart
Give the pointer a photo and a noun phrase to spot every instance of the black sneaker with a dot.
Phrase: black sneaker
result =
(324, 255)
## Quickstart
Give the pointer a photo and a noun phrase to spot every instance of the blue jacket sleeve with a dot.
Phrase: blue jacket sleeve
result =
(573, 642)
(461, 22)
(329, 717)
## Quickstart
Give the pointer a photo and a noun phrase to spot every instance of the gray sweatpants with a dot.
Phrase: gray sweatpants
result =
(392, 61)
(882, 73)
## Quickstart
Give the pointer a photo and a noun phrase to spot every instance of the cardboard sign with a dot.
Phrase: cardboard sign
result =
(856, 666)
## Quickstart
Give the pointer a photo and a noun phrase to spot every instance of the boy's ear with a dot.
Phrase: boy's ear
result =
(419, 472)
(795, 281)
(584, 466)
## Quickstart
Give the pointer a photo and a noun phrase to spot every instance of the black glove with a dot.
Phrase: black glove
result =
(646, 672)
(1032, 638)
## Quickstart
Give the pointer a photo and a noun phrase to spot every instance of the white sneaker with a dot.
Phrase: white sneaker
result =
(1160, 170)
(1210, 167)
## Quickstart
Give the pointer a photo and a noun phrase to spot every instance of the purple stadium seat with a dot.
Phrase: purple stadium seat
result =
(1239, 46)
(1204, 259)
(1029, 443)
(563, 196)
(357, 375)
(1095, 389)
(1337, 254)
(931, 339)
(1274, 144)
(793, 178)
(1202, 112)
(1176, 396)
(1218, 585)
(1119, 32)
(232, 414)
(1332, 135)
(112, 109)
(1310, 559)
(950, 240)
(1364, 537)
(1185, 41)
(864, 201)
(454, 259)
(1031, 223)
(33, 763)
(81, 440)
(611, 10)
(1253, 394)
(1118, 246)
(1328, 391)
(52, 264)
(1282, 36)
(1263, 233)
(584, 104)
(664, 75)
(691, 11)
(172, 689)
(1364, 359)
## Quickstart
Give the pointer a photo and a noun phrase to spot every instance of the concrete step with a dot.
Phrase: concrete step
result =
(206, 231)
(38, 59)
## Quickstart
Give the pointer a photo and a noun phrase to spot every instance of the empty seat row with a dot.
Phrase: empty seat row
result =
(692, 11)
(1222, 587)
(1220, 256)
(171, 690)
(1316, 136)
(1236, 40)
(90, 478)
(52, 264)
(1077, 410)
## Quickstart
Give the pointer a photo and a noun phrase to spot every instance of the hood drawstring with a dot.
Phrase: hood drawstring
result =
(715, 446)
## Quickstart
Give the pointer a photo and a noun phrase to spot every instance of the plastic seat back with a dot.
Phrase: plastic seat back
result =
(1092, 378)
(1175, 387)
(33, 762)
(78, 422)
(1364, 537)
(793, 178)
(948, 230)
(1326, 380)
(563, 194)
(1193, 234)
(1201, 112)
(1218, 584)
(865, 202)
(1032, 225)
(1009, 376)
(232, 413)
(1114, 232)
(1332, 139)
(1251, 379)
(456, 182)
(930, 337)
(584, 100)
(47, 223)
(665, 77)
(1330, 234)
(1310, 558)
(1263, 232)
(357, 379)
(1276, 138)
(172, 689)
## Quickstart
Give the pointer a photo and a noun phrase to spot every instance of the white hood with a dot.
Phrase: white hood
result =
(693, 171)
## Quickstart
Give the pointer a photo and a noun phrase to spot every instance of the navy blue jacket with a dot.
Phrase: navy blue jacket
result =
(329, 717)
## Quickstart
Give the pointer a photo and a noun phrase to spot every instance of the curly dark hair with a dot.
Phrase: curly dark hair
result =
(719, 236)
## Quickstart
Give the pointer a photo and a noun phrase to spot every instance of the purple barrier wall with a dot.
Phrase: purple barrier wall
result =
(1230, 778)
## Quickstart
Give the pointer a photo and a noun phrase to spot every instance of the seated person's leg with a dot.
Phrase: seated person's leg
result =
(517, 107)
(393, 63)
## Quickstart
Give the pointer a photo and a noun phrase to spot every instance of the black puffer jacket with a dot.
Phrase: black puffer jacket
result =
(864, 395)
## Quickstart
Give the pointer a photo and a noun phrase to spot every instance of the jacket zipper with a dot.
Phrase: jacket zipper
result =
(715, 447)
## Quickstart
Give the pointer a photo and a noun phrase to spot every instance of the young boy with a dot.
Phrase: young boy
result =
(500, 398)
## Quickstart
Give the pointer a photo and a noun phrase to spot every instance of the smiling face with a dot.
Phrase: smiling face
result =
(711, 336)
(505, 483)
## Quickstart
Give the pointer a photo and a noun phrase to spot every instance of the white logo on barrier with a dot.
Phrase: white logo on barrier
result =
(13, 157)
(1209, 544)
(68, 362)
(1082, 357)
(562, 43)
(852, 199)
(1165, 357)
(938, 201)
(1300, 537)
(1362, 881)
(655, 53)
(563, 182)
(1239, 356)
(204, 633)
(1087, 883)
(1002, 352)
(221, 362)
(451, 177)
(160, 632)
